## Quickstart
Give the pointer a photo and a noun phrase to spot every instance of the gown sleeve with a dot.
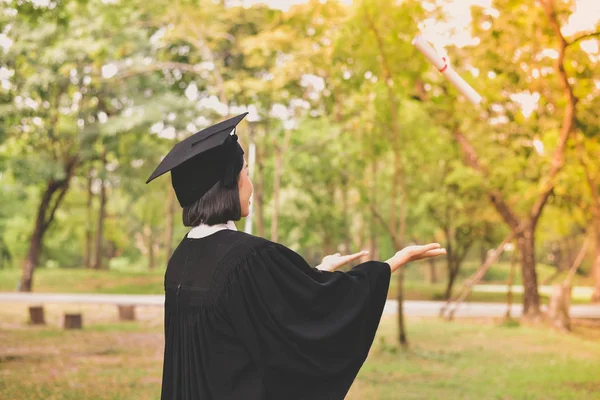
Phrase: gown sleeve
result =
(303, 326)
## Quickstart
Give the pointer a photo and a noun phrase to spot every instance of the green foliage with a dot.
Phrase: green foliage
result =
(125, 80)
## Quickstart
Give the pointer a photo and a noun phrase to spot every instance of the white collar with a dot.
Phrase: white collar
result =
(203, 230)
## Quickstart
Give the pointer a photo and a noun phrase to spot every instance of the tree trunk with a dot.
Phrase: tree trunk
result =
(111, 252)
(276, 184)
(346, 216)
(448, 309)
(451, 262)
(397, 223)
(55, 190)
(596, 264)
(328, 247)
(511, 278)
(558, 309)
(592, 180)
(151, 261)
(449, 285)
(525, 242)
(169, 223)
(87, 252)
(452, 265)
(531, 297)
(373, 242)
(432, 275)
(101, 217)
(402, 337)
(35, 246)
(483, 250)
(258, 196)
(280, 150)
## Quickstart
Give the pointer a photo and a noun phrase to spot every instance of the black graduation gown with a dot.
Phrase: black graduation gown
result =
(246, 318)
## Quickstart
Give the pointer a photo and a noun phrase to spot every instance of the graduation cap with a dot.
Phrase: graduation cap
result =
(203, 159)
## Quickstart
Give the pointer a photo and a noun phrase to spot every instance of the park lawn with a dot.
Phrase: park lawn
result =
(79, 280)
(129, 281)
(497, 274)
(435, 292)
(481, 360)
(477, 359)
(106, 360)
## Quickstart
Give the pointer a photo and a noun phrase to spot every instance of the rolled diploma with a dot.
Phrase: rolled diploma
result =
(442, 65)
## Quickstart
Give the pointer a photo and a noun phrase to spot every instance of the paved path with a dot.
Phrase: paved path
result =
(432, 308)
(411, 308)
(83, 298)
(579, 292)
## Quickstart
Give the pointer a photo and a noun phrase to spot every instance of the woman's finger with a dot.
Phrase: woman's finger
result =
(432, 253)
(338, 261)
(355, 256)
(428, 247)
(415, 251)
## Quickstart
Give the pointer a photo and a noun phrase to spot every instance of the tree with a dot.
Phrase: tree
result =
(42, 90)
(57, 89)
(511, 133)
(592, 177)
(376, 36)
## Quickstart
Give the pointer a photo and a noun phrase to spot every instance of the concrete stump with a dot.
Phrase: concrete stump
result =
(36, 315)
(73, 321)
(558, 310)
(126, 312)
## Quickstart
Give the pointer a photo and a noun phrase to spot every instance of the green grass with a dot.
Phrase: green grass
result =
(497, 274)
(107, 360)
(464, 359)
(151, 282)
(435, 292)
(88, 281)
(416, 287)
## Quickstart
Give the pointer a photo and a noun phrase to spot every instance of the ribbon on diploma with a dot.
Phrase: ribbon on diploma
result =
(442, 65)
(445, 64)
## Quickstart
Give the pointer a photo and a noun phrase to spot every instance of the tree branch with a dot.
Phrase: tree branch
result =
(451, 305)
(583, 37)
(208, 53)
(592, 179)
(471, 159)
(388, 77)
(170, 65)
(577, 263)
(64, 185)
(558, 158)
(385, 225)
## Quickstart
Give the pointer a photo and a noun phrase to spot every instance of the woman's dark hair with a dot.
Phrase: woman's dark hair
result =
(217, 206)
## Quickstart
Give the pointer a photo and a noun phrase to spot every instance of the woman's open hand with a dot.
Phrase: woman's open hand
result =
(414, 253)
(334, 261)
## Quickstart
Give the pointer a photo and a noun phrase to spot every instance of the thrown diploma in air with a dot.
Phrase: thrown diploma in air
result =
(441, 63)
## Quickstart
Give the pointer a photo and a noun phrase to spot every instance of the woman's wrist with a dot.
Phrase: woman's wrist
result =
(389, 265)
(392, 263)
(395, 262)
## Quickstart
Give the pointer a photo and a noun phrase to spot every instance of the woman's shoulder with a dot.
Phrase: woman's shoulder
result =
(249, 251)
(245, 247)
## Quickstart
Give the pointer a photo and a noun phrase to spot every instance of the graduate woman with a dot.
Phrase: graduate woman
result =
(246, 318)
